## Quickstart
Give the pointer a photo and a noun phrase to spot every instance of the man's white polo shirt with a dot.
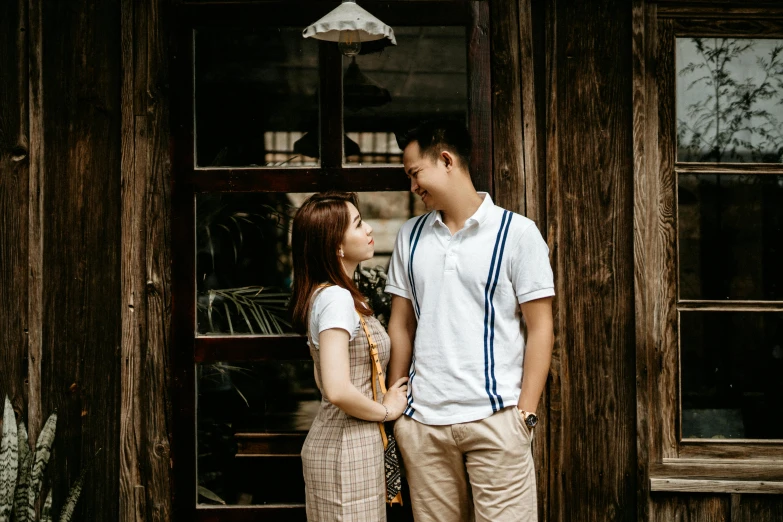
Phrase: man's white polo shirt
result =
(465, 290)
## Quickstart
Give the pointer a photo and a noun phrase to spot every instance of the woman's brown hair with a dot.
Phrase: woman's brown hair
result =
(319, 228)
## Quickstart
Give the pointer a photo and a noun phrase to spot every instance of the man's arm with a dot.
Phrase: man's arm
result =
(538, 351)
(402, 331)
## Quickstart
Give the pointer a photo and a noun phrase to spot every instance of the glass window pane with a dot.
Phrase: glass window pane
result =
(730, 236)
(256, 95)
(243, 259)
(424, 76)
(728, 100)
(732, 364)
(251, 422)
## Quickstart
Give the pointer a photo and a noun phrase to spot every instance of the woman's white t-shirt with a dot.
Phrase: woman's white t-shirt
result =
(332, 307)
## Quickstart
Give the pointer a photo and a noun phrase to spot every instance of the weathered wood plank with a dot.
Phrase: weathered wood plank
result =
(14, 186)
(81, 242)
(35, 250)
(480, 89)
(144, 451)
(690, 508)
(530, 128)
(554, 209)
(132, 329)
(687, 485)
(508, 143)
(643, 20)
(591, 188)
(666, 344)
(534, 140)
(756, 508)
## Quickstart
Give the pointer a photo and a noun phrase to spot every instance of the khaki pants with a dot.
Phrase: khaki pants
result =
(481, 470)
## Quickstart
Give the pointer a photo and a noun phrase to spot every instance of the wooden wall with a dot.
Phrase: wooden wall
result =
(592, 454)
(85, 238)
(84, 243)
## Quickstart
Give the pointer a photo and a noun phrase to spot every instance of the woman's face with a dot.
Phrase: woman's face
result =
(358, 244)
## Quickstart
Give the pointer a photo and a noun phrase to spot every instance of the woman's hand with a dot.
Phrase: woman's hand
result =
(396, 398)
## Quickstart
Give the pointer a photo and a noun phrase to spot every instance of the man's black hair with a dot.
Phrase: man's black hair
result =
(440, 134)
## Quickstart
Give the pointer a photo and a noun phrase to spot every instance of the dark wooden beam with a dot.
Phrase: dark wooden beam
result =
(590, 185)
(14, 203)
(80, 356)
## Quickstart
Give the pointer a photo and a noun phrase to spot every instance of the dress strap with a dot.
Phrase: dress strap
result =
(377, 370)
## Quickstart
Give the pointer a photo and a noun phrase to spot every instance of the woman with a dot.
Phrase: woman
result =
(342, 456)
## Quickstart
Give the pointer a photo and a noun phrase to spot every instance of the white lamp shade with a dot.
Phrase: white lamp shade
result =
(349, 17)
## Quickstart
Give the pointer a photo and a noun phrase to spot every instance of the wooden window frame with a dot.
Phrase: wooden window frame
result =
(189, 180)
(671, 462)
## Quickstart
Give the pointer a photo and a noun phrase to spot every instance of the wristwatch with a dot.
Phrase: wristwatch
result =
(530, 418)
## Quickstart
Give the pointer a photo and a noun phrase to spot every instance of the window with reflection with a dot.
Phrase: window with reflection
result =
(423, 77)
(243, 257)
(731, 368)
(731, 236)
(729, 93)
(729, 129)
(256, 95)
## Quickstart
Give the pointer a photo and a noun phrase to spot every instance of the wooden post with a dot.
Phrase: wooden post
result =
(144, 444)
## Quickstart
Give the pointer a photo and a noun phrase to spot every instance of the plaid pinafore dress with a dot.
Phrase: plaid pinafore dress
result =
(342, 456)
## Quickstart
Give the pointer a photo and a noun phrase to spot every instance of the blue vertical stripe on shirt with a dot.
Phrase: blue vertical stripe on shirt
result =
(492, 320)
(414, 241)
(487, 314)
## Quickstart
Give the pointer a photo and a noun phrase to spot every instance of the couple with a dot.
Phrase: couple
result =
(468, 347)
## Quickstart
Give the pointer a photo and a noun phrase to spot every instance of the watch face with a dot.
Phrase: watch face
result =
(531, 420)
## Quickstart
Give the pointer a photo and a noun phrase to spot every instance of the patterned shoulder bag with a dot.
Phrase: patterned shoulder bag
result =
(391, 458)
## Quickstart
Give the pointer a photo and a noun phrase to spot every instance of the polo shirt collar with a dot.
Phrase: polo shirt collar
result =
(477, 218)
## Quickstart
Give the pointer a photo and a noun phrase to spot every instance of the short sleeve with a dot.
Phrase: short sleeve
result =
(398, 283)
(532, 274)
(333, 307)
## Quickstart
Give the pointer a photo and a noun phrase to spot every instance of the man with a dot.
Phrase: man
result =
(471, 326)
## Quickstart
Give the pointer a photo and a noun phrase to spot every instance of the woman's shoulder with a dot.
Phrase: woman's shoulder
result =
(333, 295)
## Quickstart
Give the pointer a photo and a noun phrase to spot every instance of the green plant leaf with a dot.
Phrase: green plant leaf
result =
(73, 497)
(204, 492)
(228, 316)
(25, 462)
(43, 450)
(9, 461)
(46, 512)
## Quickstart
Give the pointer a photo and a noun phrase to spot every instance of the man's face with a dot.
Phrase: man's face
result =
(428, 176)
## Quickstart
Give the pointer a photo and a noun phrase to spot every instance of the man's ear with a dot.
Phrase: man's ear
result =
(448, 159)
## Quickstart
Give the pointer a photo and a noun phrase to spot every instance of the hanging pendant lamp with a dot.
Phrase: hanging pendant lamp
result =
(349, 25)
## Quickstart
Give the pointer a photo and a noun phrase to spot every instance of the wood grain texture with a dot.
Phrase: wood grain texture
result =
(662, 275)
(686, 485)
(690, 508)
(717, 469)
(732, 26)
(35, 218)
(642, 33)
(14, 200)
(590, 211)
(770, 450)
(756, 508)
(144, 445)
(554, 209)
(508, 143)
(532, 74)
(534, 189)
(480, 96)
(81, 244)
